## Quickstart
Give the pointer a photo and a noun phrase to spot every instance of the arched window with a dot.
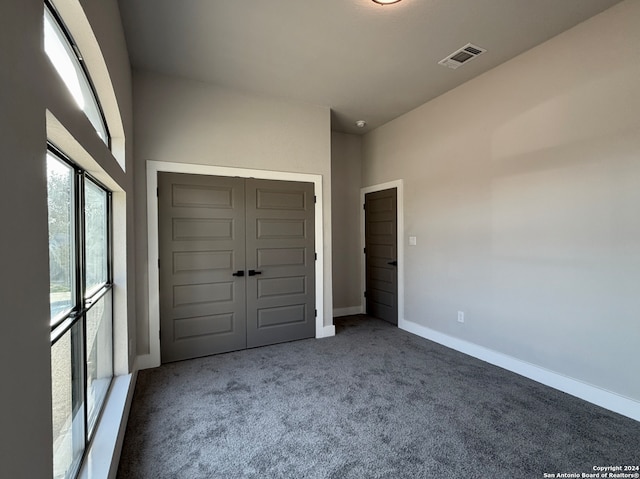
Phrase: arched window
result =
(67, 60)
(80, 269)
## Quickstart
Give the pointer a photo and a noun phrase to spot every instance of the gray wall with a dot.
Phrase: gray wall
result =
(346, 177)
(185, 121)
(29, 86)
(523, 187)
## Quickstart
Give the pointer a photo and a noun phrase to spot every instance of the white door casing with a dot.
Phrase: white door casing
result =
(152, 359)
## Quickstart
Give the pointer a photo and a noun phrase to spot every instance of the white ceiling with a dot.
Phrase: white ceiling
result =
(363, 60)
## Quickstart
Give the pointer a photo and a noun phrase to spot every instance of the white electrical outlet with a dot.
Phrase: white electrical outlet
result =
(461, 316)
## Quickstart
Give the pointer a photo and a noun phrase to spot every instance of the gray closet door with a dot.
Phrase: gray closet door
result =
(202, 244)
(381, 239)
(281, 255)
(237, 266)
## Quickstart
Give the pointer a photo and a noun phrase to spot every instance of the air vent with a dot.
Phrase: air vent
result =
(462, 55)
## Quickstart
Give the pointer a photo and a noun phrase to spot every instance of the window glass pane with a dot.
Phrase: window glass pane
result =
(61, 244)
(67, 403)
(99, 356)
(66, 63)
(96, 244)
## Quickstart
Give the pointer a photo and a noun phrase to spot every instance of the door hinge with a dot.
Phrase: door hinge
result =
(158, 263)
(315, 199)
(315, 313)
(315, 256)
(365, 294)
(158, 192)
(364, 207)
(365, 250)
(159, 334)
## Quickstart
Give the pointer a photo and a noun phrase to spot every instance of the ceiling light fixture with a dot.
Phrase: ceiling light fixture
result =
(385, 2)
(361, 123)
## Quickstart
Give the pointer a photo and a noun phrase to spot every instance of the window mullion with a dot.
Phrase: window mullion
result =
(80, 298)
(110, 266)
(79, 238)
(78, 357)
(109, 238)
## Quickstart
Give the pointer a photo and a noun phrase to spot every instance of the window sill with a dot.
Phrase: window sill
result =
(101, 460)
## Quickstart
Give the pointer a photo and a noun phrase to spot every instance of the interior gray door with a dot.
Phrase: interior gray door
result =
(202, 245)
(237, 266)
(280, 261)
(381, 250)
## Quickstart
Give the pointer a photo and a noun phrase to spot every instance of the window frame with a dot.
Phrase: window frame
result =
(48, 6)
(82, 304)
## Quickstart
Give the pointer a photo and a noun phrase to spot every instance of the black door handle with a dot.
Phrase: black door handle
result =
(239, 273)
(393, 263)
(253, 272)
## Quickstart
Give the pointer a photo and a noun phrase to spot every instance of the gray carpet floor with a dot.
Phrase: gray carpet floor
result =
(371, 402)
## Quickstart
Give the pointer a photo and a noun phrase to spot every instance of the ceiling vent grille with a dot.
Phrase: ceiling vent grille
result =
(462, 56)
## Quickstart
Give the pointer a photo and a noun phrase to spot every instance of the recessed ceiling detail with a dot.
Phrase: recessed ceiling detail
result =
(462, 56)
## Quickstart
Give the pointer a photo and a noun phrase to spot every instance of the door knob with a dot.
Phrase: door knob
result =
(239, 273)
(393, 263)
(253, 272)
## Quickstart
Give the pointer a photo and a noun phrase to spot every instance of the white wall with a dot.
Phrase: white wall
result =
(24, 273)
(28, 87)
(523, 189)
(184, 121)
(346, 176)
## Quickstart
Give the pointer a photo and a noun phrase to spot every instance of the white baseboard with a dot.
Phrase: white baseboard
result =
(327, 332)
(337, 312)
(593, 394)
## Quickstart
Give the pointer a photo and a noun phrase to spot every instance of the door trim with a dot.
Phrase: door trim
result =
(399, 185)
(152, 359)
